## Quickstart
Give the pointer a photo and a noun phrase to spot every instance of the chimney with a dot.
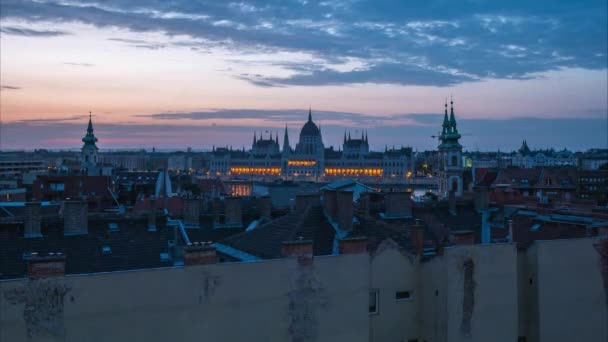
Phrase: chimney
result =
(300, 249)
(363, 205)
(152, 215)
(32, 220)
(233, 211)
(52, 265)
(266, 208)
(353, 245)
(192, 212)
(75, 218)
(398, 204)
(482, 198)
(452, 202)
(330, 198)
(345, 210)
(304, 200)
(417, 237)
(217, 206)
(199, 254)
(463, 237)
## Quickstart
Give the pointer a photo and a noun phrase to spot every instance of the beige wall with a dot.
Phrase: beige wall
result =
(570, 298)
(494, 313)
(266, 301)
(392, 270)
(280, 300)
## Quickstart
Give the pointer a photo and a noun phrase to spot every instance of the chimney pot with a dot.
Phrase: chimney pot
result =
(353, 245)
(300, 249)
(199, 255)
(48, 266)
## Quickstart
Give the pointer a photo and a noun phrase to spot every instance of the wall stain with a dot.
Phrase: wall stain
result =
(43, 301)
(306, 298)
(468, 300)
(209, 283)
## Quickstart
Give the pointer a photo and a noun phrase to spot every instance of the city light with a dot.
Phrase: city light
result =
(275, 171)
(302, 162)
(372, 172)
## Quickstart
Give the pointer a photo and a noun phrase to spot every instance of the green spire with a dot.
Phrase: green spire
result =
(89, 138)
(452, 118)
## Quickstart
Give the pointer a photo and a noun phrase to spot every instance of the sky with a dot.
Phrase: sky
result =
(184, 73)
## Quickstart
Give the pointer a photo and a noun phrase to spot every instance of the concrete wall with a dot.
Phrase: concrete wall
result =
(325, 301)
(393, 270)
(493, 292)
(488, 312)
(551, 292)
(571, 301)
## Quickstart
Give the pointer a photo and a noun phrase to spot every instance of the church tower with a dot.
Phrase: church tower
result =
(450, 156)
(89, 151)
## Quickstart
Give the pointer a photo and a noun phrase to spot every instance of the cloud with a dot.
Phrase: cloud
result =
(79, 64)
(17, 31)
(53, 120)
(406, 42)
(8, 87)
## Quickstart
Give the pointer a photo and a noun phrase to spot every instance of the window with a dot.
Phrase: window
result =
(57, 186)
(373, 301)
(403, 295)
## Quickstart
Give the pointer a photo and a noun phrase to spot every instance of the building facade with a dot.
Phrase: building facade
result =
(310, 159)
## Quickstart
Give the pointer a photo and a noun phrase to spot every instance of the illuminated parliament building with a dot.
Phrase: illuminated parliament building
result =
(311, 159)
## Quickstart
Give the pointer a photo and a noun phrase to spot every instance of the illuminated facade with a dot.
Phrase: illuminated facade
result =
(310, 159)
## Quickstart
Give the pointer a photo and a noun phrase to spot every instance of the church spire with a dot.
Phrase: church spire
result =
(344, 136)
(254, 137)
(309, 113)
(286, 147)
(452, 118)
(89, 138)
(90, 128)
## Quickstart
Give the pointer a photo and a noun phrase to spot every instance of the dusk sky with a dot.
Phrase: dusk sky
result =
(173, 74)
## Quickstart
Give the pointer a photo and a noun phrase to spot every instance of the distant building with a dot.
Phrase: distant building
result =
(526, 158)
(310, 159)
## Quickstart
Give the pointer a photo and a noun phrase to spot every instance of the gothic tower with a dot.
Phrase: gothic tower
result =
(450, 155)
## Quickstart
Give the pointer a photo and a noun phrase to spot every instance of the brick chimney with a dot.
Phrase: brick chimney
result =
(199, 254)
(481, 198)
(417, 237)
(32, 220)
(265, 208)
(192, 212)
(363, 205)
(345, 210)
(52, 265)
(217, 205)
(452, 202)
(233, 211)
(75, 218)
(300, 249)
(152, 215)
(304, 200)
(398, 204)
(463, 237)
(330, 198)
(353, 245)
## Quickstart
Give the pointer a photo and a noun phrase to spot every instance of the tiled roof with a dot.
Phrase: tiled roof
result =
(266, 241)
(132, 245)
